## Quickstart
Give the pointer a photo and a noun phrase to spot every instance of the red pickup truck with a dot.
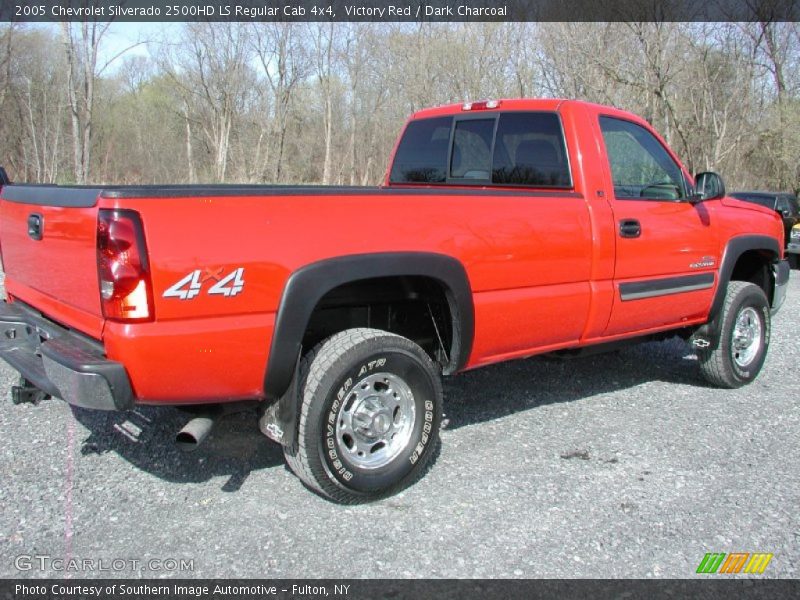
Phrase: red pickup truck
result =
(504, 229)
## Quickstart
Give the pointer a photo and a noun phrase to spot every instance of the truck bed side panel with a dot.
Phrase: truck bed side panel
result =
(526, 254)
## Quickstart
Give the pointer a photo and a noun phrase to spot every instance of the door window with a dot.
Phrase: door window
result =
(640, 166)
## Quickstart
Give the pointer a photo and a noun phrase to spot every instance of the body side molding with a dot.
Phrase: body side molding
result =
(665, 286)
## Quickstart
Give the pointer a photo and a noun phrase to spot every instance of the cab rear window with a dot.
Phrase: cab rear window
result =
(422, 154)
(508, 149)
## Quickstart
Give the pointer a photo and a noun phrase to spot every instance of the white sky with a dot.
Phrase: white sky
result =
(124, 35)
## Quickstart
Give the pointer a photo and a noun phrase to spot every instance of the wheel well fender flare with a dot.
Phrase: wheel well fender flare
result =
(309, 284)
(734, 249)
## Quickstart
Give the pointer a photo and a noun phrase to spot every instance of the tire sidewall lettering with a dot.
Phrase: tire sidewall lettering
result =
(427, 427)
(332, 451)
(406, 366)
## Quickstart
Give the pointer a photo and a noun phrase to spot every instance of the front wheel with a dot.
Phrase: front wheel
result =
(736, 356)
(371, 405)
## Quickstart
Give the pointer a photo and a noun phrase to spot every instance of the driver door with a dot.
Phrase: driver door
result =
(666, 248)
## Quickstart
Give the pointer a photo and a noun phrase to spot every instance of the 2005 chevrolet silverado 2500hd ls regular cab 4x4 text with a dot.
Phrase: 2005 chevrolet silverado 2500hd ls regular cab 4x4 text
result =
(504, 229)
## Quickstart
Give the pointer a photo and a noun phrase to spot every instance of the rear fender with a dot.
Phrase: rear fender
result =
(307, 286)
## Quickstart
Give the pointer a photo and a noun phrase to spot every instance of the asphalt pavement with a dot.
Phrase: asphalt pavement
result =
(618, 465)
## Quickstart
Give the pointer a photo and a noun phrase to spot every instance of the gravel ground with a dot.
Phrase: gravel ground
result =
(619, 465)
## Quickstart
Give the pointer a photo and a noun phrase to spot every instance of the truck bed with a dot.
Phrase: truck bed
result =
(82, 196)
(77, 195)
(268, 232)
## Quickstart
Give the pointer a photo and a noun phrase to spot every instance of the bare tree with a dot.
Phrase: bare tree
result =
(6, 47)
(82, 42)
(82, 48)
(322, 35)
(776, 51)
(285, 64)
(40, 93)
(212, 69)
(324, 102)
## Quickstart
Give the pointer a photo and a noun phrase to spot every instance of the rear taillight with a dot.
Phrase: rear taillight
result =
(125, 289)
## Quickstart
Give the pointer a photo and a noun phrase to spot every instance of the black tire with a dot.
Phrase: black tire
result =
(329, 376)
(794, 261)
(725, 363)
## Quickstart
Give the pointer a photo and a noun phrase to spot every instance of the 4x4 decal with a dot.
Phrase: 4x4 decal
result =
(191, 285)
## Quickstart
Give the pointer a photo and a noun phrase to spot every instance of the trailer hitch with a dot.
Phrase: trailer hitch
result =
(26, 392)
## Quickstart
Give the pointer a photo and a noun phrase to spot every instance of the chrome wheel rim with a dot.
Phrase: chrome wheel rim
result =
(746, 341)
(375, 422)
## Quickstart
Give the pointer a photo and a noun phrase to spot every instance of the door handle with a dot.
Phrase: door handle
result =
(35, 222)
(630, 228)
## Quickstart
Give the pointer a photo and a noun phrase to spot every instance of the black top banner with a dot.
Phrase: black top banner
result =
(398, 10)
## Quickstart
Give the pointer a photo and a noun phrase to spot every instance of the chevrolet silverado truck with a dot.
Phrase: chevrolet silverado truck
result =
(504, 229)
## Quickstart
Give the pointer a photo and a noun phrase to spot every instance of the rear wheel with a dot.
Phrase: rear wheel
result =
(371, 405)
(736, 356)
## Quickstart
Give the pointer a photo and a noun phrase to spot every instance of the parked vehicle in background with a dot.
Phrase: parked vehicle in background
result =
(793, 247)
(504, 229)
(786, 205)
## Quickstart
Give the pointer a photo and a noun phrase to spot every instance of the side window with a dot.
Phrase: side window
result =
(530, 150)
(472, 143)
(640, 166)
(421, 156)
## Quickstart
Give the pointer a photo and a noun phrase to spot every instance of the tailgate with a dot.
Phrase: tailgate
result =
(48, 237)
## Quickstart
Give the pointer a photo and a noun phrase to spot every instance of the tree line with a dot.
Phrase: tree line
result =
(324, 102)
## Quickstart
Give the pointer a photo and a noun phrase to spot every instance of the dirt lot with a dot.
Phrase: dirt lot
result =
(620, 465)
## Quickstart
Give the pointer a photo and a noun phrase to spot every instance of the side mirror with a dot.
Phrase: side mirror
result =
(707, 186)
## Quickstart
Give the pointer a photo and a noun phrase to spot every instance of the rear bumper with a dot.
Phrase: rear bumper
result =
(781, 271)
(60, 362)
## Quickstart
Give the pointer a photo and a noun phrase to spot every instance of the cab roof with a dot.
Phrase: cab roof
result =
(521, 104)
(549, 104)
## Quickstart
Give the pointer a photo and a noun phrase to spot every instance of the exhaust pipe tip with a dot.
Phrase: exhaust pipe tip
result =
(194, 433)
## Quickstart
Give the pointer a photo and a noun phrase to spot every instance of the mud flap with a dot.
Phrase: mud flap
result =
(279, 420)
(706, 337)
